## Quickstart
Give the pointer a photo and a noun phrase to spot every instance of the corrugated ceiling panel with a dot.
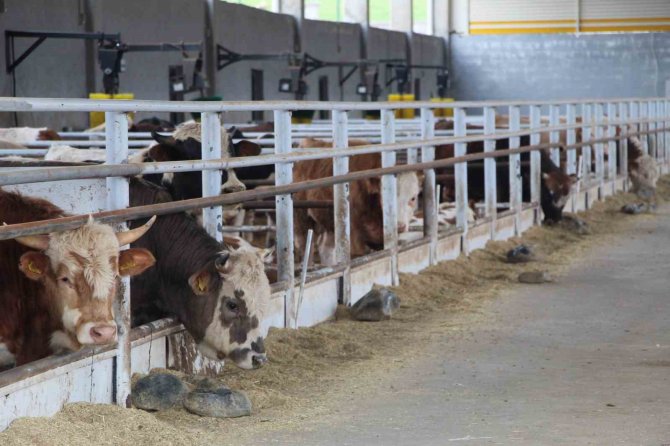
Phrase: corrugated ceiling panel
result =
(617, 9)
(520, 10)
(552, 16)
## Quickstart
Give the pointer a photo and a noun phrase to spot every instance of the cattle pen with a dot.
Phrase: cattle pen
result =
(102, 375)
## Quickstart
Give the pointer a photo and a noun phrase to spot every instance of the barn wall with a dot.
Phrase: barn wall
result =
(384, 44)
(149, 21)
(331, 41)
(55, 69)
(427, 50)
(559, 66)
(251, 31)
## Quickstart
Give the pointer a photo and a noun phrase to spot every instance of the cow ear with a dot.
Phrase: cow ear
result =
(267, 255)
(191, 149)
(134, 261)
(200, 282)
(247, 148)
(34, 265)
(164, 152)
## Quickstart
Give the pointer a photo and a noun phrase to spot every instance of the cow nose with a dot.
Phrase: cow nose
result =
(103, 334)
(259, 360)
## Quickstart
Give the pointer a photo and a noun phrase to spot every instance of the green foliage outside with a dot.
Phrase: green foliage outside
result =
(380, 10)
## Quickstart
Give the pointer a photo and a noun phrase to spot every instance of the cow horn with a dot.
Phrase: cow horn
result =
(128, 237)
(40, 242)
(221, 261)
(163, 139)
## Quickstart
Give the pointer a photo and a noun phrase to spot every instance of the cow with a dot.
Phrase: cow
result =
(219, 292)
(642, 170)
(25, 135)
(60, 296)
(364, 198)
(185, 144)
(152, 124)
(65, 153)
(556, 186)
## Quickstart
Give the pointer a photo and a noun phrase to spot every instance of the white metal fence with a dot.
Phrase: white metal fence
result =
(103, 375)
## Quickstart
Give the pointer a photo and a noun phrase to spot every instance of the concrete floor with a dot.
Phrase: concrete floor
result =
(582, 361)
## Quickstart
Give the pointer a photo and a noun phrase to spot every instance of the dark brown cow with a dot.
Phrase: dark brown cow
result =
(218, 292)
(364, 198)
(62, 296)
(555, 184)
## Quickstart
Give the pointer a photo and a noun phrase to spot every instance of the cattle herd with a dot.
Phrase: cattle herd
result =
(58, 290)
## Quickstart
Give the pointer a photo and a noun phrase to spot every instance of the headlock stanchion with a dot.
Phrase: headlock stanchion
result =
(102, 375)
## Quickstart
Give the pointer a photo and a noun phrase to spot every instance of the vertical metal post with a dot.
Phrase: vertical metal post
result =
(412, 156)
(660, 123)
(624, 108)
(118, 197)
(389, 194)
(490, 173)
(611, 145)
(666, 124)
(515, 167)
(341, 203)
(600, 159)
(430, 205)
(651, 137)
(284, 217)
(212, 217)
(461, 176)
(535, 162)
(554, 136)
(642, 114)
(587, 135)
(571, 138)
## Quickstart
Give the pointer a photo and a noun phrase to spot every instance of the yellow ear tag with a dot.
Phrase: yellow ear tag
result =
(33, 269)
(128, 265)
(202, 286)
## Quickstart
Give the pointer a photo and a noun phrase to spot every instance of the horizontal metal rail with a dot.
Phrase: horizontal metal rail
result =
(134, 213)
(38, 174)
(11, 104)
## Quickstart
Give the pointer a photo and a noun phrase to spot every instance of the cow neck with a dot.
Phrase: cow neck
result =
(28, 315)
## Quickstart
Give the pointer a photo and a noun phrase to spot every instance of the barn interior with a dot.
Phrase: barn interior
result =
(348, 147)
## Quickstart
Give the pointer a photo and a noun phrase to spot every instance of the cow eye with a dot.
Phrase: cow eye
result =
(65, 280)
(232, 306)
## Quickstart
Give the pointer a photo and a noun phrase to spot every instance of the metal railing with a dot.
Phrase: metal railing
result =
(599, 121)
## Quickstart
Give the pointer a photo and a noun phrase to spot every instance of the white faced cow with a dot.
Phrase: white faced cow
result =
(62, 296)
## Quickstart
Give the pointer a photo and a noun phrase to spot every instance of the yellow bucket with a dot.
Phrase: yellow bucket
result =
(395, 97)
(443, 112)
(97, 118)
(408, 113)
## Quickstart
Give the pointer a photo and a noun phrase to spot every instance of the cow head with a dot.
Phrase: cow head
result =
(79, 271)
(556, 191)
(408, 197)
(231, 294)
(186, 146)
(371, 215)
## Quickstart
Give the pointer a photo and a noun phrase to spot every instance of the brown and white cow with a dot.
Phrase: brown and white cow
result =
(62, 296)
(642, 170)
(365, 203)
(26, 135)
(219, 292)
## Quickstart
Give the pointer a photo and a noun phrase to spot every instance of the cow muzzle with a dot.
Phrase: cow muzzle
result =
(101, 334)
(259, 360)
